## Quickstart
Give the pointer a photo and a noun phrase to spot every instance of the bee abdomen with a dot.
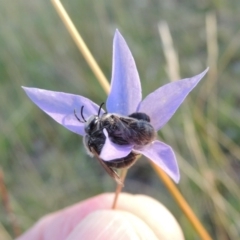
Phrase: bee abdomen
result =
(125, 162)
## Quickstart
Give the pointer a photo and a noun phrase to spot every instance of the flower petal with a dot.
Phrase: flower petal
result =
(161, 104)
(162, 155)
(60, 106)
(112, 151)
(126, 93)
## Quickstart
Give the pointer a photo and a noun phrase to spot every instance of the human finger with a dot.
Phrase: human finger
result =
(61, 224)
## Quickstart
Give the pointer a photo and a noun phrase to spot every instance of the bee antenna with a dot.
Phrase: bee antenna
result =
(99, 110)
(82, 114)
(77, 117)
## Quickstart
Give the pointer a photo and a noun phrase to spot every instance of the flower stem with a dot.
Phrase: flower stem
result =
(119, 187)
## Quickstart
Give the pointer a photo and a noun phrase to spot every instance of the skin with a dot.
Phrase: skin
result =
(136, 217)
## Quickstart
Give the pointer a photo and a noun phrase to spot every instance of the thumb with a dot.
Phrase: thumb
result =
(114, 225)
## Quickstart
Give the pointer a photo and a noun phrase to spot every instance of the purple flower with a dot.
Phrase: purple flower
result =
(124, 99)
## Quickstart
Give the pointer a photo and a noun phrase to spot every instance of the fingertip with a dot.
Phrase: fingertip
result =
(133, 214)
(114, 225)
(153, 213)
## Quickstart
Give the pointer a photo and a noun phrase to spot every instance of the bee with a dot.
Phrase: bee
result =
(134, 129)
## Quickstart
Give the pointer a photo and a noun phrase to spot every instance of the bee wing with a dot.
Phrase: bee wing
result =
(126, 131)
(111, 151)
(109, 170)
(162, 155)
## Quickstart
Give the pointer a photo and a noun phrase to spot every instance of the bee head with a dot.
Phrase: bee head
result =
(91, 124)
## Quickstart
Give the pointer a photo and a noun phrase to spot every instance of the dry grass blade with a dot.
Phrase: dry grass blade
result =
(173, 72)
(81, 45)
(4, 234)
(7, 205)
(170, 53)
(183, 204)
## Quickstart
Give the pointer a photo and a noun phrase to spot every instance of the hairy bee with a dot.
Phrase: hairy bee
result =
(134, 129)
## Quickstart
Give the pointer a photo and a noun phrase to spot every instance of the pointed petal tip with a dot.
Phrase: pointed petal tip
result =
(176, 179)
(119, 40)
(197, 78)
(163, 156)
(117, 36)
(29, 89)
(174, 176)
(204, 72)
(117, 32)
(26, 89)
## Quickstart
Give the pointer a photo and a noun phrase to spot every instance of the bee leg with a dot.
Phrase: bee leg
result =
(108, 169)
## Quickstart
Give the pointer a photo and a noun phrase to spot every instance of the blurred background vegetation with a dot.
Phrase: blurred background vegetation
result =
(45, 166)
